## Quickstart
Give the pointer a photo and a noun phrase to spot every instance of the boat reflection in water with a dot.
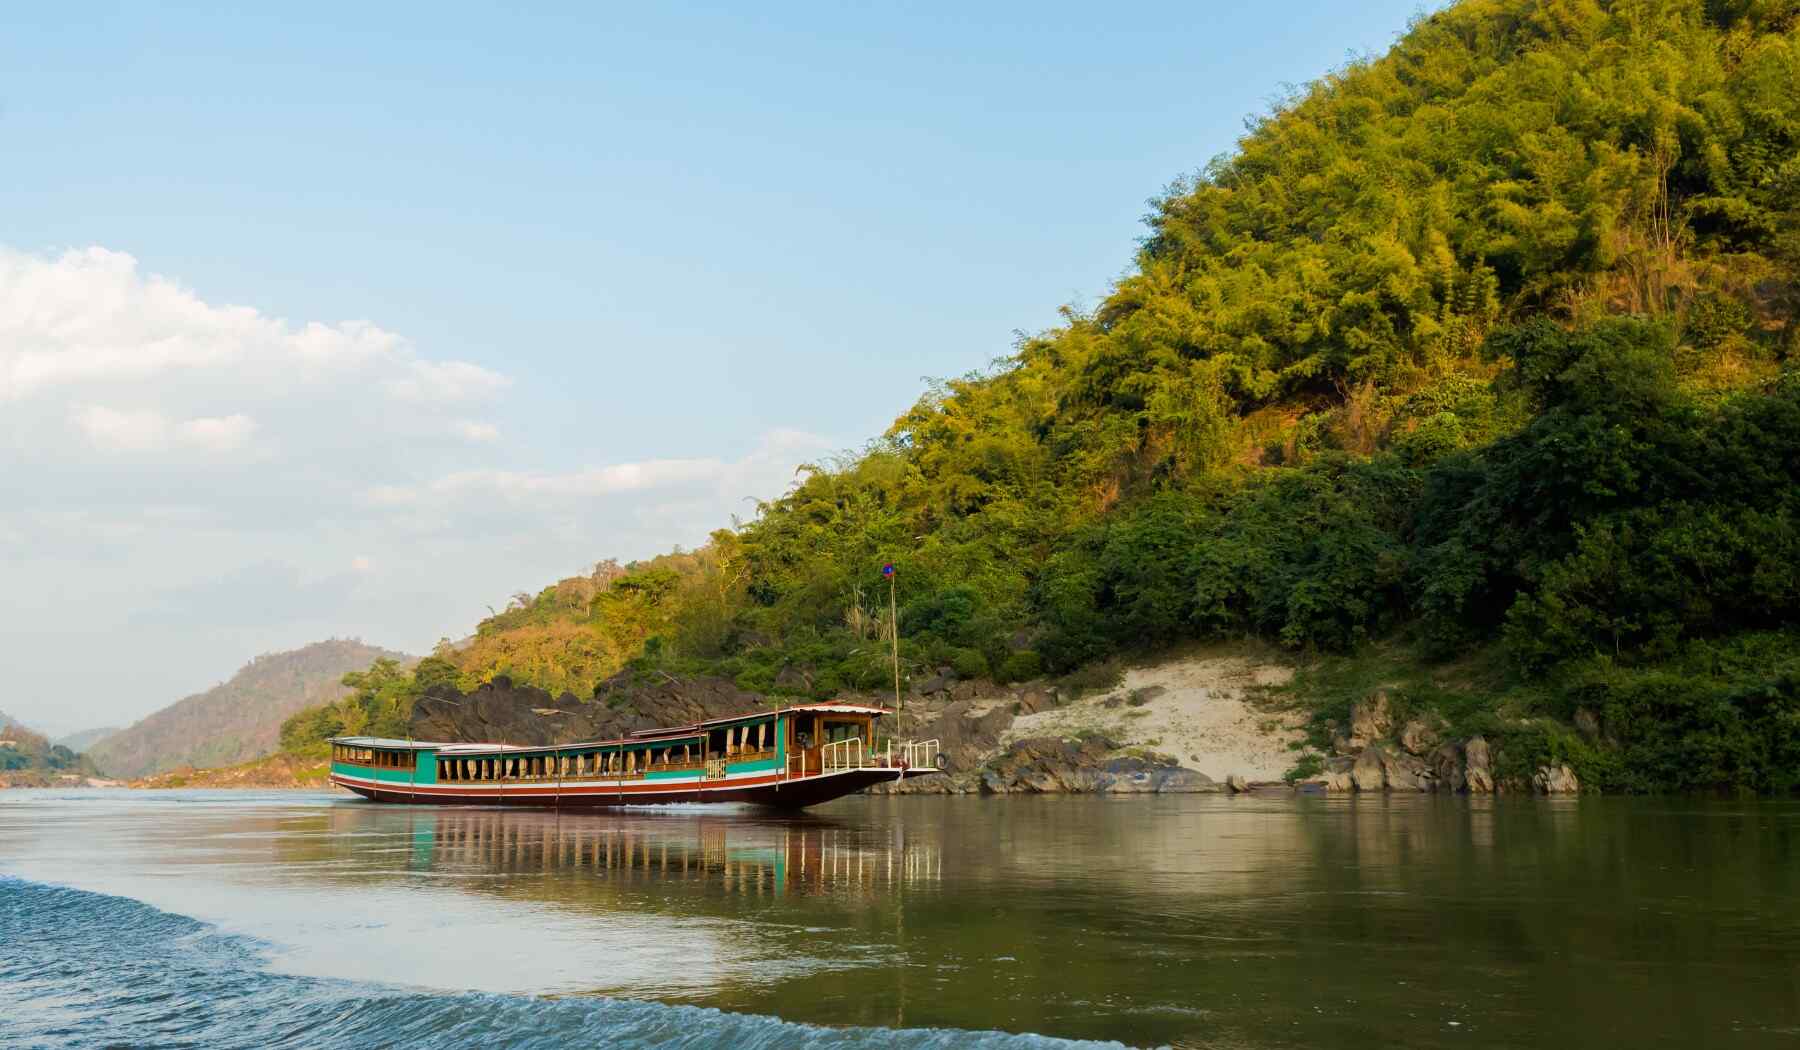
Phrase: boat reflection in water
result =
(746, 856)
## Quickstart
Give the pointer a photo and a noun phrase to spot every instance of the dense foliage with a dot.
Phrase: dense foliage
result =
(1489, 341)
(378, 703)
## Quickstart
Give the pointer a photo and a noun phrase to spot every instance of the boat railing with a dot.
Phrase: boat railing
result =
(853, 753)
(919, 754)
(843, 754)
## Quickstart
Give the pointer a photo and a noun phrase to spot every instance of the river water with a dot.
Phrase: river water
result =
(239, 919)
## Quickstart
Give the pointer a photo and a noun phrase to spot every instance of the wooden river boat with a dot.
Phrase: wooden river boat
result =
(797, 756)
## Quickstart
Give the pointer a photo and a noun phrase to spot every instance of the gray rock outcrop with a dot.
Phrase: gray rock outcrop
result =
(964, 738)
(1036, 697)
(1478, 768)
(1556, 780)
(1084, 765)
(1417, 737)
(1370, 719)
(1404, 772)
(1447, 768)
(1366, 774)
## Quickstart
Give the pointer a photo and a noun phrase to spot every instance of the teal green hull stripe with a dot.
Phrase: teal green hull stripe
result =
(385, 776)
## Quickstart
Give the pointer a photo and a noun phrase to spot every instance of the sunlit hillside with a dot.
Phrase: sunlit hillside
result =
(1479, 353)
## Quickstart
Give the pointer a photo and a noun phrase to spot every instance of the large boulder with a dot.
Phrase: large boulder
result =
(1478, 767)
(1330, 781)
(1034, 698)
(1336, 776)
(1417, 737)
(1047, 765)
(1083, 765)
(964, 736)
(1556, 780)
(1405, 772)
(1156, 774)
(1370, 719)
(1367, 774)
(937, 682)
(1142, 696)
(1447, 768)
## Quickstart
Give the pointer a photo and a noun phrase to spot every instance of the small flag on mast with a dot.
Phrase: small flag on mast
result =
(888, 570)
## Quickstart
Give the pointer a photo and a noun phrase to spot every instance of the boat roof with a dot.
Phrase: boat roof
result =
(389, 744)
(644, 736)
(825, 708)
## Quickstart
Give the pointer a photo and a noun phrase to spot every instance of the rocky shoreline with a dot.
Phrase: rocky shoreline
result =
(985, 735)
(1374, 755)
(1033, 738)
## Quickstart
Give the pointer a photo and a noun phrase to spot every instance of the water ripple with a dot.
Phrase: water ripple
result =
(85, 969)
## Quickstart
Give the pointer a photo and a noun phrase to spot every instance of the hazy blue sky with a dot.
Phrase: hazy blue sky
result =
(354, 319)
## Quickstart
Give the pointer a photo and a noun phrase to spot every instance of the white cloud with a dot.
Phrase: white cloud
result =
(146, 430)
(220, 434)
(476, 431)
(441, 382)
(89, 316)
(119, 431)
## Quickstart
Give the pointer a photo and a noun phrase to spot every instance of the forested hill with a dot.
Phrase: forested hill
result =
(27, 759)
(239, 719)
(1478, 355)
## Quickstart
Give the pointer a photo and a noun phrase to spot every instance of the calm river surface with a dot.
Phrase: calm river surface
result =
(1199, 921)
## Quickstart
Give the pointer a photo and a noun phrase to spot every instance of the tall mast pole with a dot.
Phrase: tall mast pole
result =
(894, 626)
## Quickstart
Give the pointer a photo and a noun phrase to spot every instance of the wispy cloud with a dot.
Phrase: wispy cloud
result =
(765, 470)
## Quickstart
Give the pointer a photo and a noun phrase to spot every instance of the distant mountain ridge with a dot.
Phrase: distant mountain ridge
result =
(239, 719)
(85, 739)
